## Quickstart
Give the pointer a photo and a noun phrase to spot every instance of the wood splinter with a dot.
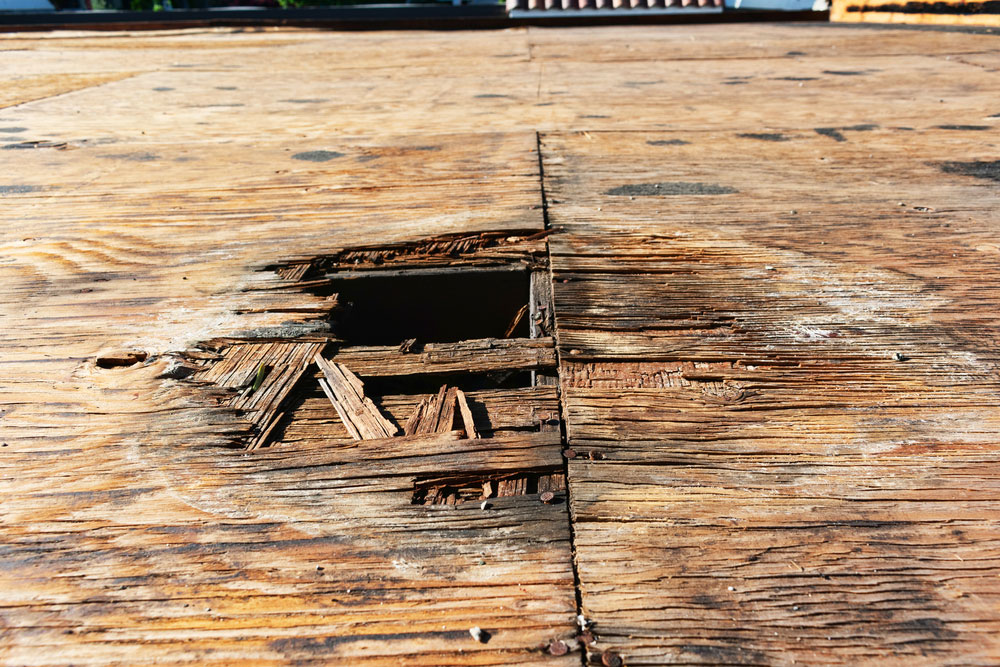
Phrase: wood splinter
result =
(347, 393)
(438, 414)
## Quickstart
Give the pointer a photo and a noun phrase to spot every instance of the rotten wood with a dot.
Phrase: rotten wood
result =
(441, 413)
(471, 356)
(495, 413)
(516, 321)
(452, 252)
(282, 366)
(347, 394)
(468, 422)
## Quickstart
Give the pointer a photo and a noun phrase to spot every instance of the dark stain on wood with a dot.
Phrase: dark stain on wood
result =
(831, 132)
(317, 156)
(668, 142)
(18, 189)
(30, 145)
(966, 128)
(985, 169)
(726, 655)
(764, 136)
(670, 188)
(139, 156)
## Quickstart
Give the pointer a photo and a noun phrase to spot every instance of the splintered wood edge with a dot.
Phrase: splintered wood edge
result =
(468, 356)
(363, 419)
(463, 407)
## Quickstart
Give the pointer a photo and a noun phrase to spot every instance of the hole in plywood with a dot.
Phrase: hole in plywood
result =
(471, 312)
(388, 308)
(426, 384)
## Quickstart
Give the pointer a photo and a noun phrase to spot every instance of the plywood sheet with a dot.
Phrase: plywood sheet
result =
(778, 368)
(132, 530)
(784, 377)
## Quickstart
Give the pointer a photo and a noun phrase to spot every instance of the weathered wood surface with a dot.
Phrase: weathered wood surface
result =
(789, 369)
(495, 413)
(132, 532)
(479, 356)
(783, 424)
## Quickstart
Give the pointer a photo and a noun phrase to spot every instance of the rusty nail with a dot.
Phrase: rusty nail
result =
(569, 453)
(611, 659)
(547, 497)
(557, 647)
(586, 638)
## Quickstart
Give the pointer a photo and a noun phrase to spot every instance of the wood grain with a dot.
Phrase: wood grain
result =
(356, 411)
(778, 370)
(474, 356)
(783, 392)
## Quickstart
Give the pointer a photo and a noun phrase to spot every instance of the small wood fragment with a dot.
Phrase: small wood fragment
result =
(346, 392)
(463, 408)
(437, 414)
(522, 311)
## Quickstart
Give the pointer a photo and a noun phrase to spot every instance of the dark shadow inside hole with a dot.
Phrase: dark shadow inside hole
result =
(481, 416)
(388, 308)
(429, 384)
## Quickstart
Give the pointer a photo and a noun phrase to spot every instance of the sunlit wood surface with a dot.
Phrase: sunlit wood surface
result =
(775, 265)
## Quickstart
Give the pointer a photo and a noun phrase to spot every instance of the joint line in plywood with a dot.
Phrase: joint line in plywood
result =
(550, 304)
(541, 183)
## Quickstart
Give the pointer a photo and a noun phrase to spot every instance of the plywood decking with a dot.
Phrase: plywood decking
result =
(774, 270)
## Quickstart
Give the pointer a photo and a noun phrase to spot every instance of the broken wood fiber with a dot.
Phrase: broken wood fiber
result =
(346, 392)
(437, 414)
